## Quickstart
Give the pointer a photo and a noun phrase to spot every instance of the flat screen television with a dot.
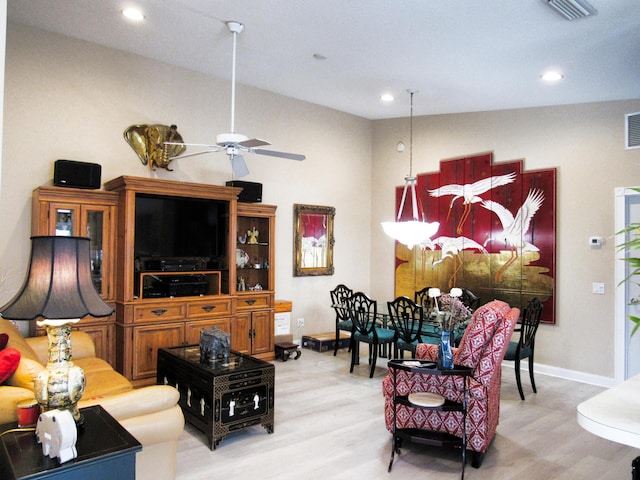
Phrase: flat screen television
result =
(172, 228)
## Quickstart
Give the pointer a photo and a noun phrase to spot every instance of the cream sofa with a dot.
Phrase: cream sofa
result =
(151, 414)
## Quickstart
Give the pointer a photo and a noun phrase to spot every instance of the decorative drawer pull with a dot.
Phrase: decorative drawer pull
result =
(208, 308)
(251, 301)
(159, 311)
(202, 406)
(189, 397)
(165, 382)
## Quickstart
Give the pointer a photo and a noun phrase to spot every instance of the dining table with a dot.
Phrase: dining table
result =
(431, 331)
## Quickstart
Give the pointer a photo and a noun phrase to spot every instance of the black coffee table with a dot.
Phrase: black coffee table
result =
(219, 397)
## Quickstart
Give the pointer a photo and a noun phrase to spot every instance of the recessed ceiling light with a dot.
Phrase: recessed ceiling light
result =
(551, 76)
(133, 14)
(386, 97)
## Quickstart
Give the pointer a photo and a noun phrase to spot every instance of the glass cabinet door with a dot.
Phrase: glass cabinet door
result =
(253, 258)
(94, 229)
(64, 219)
(84, 221)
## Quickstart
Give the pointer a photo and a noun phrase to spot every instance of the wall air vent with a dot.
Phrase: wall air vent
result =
(632, 130)
(572, 9)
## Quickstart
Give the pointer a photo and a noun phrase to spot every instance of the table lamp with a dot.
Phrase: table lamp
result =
(58, 290)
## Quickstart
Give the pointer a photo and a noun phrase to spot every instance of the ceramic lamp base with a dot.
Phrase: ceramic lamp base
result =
(62, 384)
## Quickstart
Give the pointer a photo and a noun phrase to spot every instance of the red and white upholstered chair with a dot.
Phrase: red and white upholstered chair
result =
(482, 349)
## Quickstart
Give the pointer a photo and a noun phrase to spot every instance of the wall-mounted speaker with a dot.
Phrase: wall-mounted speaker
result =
(251, 191)
(72, 174)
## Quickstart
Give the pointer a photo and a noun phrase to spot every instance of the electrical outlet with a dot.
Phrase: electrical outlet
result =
(300, 322)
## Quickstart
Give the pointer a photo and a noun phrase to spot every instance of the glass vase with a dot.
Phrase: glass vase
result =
(445, 354)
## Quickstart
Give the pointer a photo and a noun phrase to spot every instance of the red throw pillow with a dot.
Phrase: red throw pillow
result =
(9, 361)
(4, 339)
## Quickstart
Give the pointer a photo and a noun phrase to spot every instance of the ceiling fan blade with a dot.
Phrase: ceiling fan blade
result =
(194, 154)
(272, 153)
(207, 145)
(253, 142)
(238, 166)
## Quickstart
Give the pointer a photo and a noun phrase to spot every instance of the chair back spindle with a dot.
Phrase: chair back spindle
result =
(406, 319)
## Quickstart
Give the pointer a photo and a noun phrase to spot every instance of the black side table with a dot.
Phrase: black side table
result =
(106, 451)
(428, 437)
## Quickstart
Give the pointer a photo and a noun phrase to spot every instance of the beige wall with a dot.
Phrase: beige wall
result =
(73, 100)
(586, 144)
(70, 99)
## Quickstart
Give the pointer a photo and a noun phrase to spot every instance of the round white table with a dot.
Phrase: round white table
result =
(615, 415)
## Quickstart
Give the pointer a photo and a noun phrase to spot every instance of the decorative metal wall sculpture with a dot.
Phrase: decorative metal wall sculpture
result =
(148, 141)
(496, 236)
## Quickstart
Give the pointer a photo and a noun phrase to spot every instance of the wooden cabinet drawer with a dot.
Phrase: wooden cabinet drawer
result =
(209, 308)
(159, 312)
(255, 301)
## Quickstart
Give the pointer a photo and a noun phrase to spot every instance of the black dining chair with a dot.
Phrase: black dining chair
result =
(406, 319)
(470, 299)
(524, 347)
(339, 302)
(364, 313)
(421, 297)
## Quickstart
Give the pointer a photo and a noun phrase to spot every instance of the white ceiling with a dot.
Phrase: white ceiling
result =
(461, 55)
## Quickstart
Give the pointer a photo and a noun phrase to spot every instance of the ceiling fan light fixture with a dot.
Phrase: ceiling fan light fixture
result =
(233, 143)
(229, 138)
(572, 9)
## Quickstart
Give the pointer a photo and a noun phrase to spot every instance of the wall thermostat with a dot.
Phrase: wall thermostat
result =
(595, 242)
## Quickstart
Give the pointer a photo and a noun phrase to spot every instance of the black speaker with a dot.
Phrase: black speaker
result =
(69, 173)
(251, 191)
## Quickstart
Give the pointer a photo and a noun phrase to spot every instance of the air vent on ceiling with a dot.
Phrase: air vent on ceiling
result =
(572, 9)
(632, 130)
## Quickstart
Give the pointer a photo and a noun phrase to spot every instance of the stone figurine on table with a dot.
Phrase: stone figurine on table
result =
(214, 344)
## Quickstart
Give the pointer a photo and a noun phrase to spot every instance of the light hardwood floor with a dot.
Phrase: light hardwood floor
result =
(329, 425)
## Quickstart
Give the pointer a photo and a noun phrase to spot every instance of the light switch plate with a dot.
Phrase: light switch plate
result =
(598, 288)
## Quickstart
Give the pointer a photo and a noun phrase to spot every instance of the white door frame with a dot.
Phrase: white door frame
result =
(621, 330)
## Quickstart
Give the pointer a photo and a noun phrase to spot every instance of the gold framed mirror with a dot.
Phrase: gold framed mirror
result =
(313, 240)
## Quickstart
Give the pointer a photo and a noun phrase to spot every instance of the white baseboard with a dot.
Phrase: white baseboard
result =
(564, 373)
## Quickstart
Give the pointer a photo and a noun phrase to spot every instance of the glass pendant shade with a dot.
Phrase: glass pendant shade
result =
(411, 232)
(59, 290)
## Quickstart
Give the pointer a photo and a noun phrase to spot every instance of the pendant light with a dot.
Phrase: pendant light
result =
(410, 232)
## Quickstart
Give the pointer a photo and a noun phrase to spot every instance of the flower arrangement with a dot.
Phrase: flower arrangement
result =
(451, 309)
(457, 311)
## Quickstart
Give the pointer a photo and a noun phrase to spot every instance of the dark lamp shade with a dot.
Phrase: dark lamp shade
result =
(58, 283)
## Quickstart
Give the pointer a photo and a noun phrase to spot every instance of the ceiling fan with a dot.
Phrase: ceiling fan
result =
(234, 143)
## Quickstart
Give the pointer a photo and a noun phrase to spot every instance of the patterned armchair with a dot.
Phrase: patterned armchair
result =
(482, 349)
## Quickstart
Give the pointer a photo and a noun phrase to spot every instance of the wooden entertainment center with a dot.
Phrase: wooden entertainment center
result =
(164, 301)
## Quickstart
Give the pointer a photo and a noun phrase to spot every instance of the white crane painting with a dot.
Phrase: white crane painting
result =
(451, 248)
(497, 234)
(515, 228)
(470, 192)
